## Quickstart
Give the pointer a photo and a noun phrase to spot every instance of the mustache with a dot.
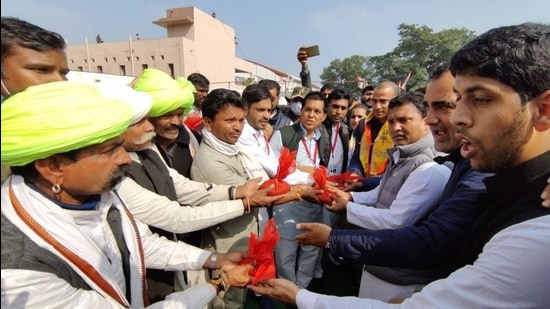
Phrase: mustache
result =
(121, 172)
(147, 137)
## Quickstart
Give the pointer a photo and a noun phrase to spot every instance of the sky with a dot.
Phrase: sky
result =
(270, 32)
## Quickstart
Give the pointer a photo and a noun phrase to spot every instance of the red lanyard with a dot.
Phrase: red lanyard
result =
(335, 140)
(266, 142)
(314, 158)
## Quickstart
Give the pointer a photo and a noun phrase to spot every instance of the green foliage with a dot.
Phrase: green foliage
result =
(419, 50)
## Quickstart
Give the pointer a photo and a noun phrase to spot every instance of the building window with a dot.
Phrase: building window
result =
(106, 59)
(144, 66)
(93, 60)
(99, 69)
(114, 59)
(153, 58)
(171, 69)
(79, 68)
(137, 58)
(162, 57)
(122, 69)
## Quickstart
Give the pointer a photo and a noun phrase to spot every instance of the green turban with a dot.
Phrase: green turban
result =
(168, 94)
(58, 117)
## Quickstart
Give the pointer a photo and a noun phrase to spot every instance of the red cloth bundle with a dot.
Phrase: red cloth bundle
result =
(287, 165)
(193, 121)
(320, 178)
(261, 253)
(340, 180)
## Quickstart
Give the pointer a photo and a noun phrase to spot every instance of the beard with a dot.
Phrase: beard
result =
(504, 155)
(121, 172)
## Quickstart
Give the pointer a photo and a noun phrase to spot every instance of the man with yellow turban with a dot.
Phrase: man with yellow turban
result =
(172, 100)
(162, 211)
(67, 238)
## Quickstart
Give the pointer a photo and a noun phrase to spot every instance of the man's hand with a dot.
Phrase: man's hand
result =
(306, 169)
(279, 289)
(316, 234)
(229, 260)
(268, 130)
(308, 192)
(248, 188)
(338, 204)
(261, 199)
(238, 276)
(302, 55)
(352, 186)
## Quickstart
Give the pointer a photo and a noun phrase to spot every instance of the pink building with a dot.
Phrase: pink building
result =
(195, 42)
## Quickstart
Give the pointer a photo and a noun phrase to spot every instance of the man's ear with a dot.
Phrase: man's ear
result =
(207, 122)
(50, 168)
(541, 119)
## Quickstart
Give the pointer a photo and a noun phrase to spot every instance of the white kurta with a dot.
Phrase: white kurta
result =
(88, 236)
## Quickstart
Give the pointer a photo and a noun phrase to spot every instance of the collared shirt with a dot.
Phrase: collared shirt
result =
(511, 272)
(419, 193)
(257, 144)
(336, 152)
(302, 156)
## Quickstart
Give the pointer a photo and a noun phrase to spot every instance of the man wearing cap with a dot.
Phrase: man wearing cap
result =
(67, 238)
(295, 102)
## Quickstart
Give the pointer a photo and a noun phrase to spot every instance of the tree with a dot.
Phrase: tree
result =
(343, 73)
(419, 50)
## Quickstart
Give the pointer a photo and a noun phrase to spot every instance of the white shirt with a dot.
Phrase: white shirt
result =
(511, 272)
(257, 144)
(336, 160)
(418, 195)
(302, 156)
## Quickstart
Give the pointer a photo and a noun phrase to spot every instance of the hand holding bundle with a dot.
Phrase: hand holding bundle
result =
(287, 165)
(261, 253)
(320, 178)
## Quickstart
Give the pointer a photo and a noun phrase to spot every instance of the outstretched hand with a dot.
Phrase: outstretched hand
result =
(279, 289)
(238, 276)
(302, 55)
(261, 199)
(316, 234)
(229, 260)
(248, 189)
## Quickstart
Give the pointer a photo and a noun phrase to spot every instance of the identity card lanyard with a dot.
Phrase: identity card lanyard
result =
(314, 158)
(266, 142)
(335, 140)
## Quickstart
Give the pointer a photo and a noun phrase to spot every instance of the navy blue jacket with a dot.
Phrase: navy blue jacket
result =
(433, 242)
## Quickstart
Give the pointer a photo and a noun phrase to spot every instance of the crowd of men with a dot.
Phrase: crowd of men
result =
(146, 195)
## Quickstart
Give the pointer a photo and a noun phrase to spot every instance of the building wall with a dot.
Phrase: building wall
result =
(195, 42)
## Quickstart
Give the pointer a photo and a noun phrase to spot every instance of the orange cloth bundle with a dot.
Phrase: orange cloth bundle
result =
(193, 121)
(340, 180)
(261, 253)
(320, 178)
(287, 165)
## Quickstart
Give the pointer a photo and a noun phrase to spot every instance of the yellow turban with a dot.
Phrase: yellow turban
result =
(56, 118)
(168, 94)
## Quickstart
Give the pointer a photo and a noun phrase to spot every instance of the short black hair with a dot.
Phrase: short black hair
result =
(517, 56)
(254, 93)
(217, 99)
(415, 98)
(17, 32)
